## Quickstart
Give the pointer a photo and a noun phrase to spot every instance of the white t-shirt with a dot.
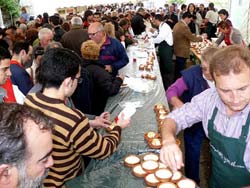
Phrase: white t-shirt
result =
(165, 33)
(212, 16)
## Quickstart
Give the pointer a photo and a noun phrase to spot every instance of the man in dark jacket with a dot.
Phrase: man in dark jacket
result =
(137, 22)
(59, 32)
(112, 53)
(76, 36)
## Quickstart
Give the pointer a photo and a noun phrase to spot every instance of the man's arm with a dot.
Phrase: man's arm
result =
(122, 57)
(220, 39)
(165, 33)
(188, 34)
(236, 37)
(170, 153)
(21, 79)
(175, 91)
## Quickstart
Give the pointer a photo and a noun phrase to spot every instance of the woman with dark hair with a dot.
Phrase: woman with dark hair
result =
(45, 18)
(211, 21)
(229, 34)
(196, 19)
(223, 14)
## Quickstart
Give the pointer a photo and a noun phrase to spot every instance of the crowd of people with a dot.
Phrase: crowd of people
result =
(56, 75)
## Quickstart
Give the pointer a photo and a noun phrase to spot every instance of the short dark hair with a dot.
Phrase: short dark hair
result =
(38, 51)
(13, 117)
(57, 64)
(21, 45)
(87, 13)
(123, 21)
(159, 17)
(183, 6)
(97, 13)
(186, 15)
(224, 12)
(4, 54)
(55, 20)
(211, 6)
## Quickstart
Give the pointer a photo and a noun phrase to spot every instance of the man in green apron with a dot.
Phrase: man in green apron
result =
(225, 115)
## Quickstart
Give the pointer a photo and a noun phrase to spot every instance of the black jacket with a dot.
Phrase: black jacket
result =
(104, 85)
(137, 24)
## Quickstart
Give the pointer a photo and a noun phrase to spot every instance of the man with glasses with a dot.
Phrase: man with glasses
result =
(73, 137)
(4, 71)
(112, 53)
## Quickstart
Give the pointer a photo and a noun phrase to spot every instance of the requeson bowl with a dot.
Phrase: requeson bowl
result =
(167, 185)
(131, 161)
(149, 166)
(163, 174)
(186, 183)
(151, 156)
(177, 175)
(155, 143)
(138, 171)
(151, 180)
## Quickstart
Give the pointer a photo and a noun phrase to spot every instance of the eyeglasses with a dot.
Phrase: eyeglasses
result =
(79, 79)
(93, 34)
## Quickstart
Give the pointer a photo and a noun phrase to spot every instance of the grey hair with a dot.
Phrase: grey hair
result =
(53, 44)
(76, 21)
(43, 32)
(100, 27)
(23, 27)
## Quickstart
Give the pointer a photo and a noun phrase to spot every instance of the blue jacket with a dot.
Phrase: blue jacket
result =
(20, 78)
(113, 53)
(194, 81)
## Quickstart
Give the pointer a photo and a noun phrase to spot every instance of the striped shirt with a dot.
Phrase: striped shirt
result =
(201, 109)
(72, 137)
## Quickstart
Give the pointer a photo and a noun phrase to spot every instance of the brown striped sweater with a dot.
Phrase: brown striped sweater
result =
(72, 137)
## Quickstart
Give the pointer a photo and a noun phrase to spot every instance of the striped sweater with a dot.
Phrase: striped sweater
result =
(72, 137)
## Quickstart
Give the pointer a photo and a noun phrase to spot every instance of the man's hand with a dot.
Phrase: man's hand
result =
(105, 115)
(123, 123)
(108, 68)
(121, 76)
(171, 155)
(102, 121)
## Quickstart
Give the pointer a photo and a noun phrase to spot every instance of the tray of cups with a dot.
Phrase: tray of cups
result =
(155, 173)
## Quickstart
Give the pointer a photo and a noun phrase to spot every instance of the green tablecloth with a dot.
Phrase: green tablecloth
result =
(111, 172)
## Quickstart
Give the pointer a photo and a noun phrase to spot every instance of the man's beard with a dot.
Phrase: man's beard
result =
(25, 181)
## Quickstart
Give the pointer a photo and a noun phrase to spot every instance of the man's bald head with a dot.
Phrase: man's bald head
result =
(96, 32)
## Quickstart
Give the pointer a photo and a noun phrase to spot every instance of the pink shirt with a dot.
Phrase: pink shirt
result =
(176, 89)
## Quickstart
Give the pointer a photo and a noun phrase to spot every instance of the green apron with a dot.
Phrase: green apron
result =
(228, 167)
(166, 55)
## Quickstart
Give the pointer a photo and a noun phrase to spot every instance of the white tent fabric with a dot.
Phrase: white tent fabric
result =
(239, 10)
(1, 19)
(240, 17)
(246, 23)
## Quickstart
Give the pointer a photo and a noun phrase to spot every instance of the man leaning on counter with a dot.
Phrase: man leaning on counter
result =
(225, 115)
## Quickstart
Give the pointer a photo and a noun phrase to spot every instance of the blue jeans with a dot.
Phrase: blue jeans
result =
(180, 65)
(193, 138)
